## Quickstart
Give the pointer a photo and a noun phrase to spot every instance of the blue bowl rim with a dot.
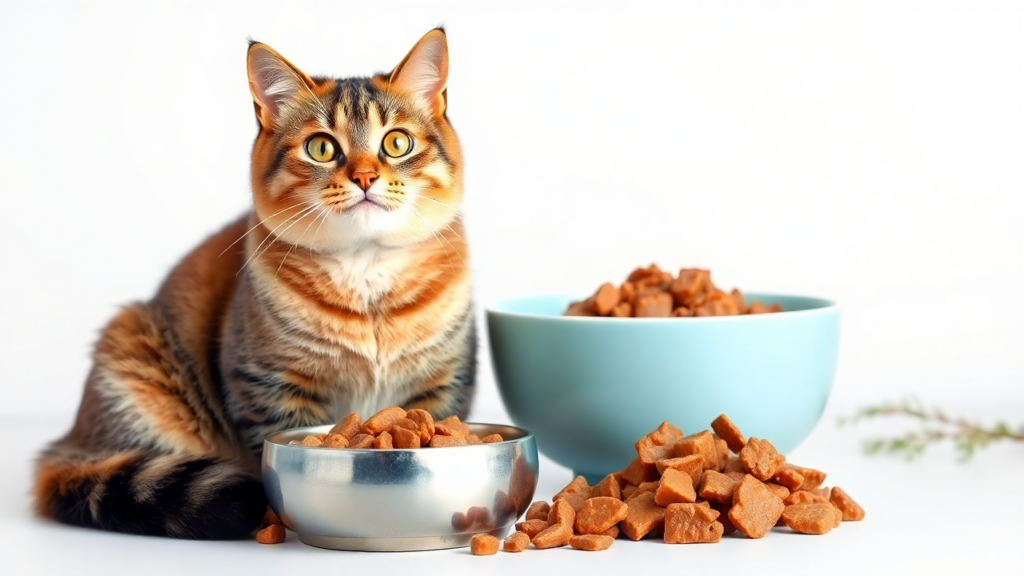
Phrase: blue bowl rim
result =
(828, 306)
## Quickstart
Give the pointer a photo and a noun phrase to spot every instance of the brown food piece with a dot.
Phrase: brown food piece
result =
(692, 465)
(612, 532)
(717, 487)
(658, 445)
(538, 510)
(483, 545)
(599, 514)
(406, 423)
(609, 487)
(628, 491)
(756, 307)
(575, 493)
(335, 441)
(778, 489)
(651, 486)
(472, 439)
(737, 476)
(741, 304)
(606, 298)
(717, 304)
(622, 310)
(676, 486)
(443, 441)
(582, 308)
(273, 534)
(383, 441)
(682, 312)
(553, 536)
(492, 438)
(406, 438)
(348, 427)
(479, 516)
(453, 423)
(591, 542)
(361, 441)
(516, 542)
(426, 424)
(789, 478)
(761, 459)
(460, 521)
(312, 441)
(691, 284)
(728, 431)
(636, 473)
(654, 306)
(643, 515)
(803, 497)
(702, 443)
(445, 430)
(754, 508)
(810, 518)
(270, 518)
(723, 452)
(692, 523)
(533, 527)
(812, 478)
(734, 465)
(382, 421)
(852, 512)
(563, 513)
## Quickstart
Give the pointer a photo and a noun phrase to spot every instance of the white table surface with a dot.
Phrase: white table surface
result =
(930, 516)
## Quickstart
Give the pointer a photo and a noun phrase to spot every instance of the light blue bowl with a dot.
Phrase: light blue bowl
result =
(588, 388)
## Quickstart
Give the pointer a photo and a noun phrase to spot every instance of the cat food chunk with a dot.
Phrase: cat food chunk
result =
(516, 542)
(533, 527)
(426, 424)
(273, 534)
(538, 510)
(312, 441)
(382, 421)
(692, 523)
(453, 423)
(789, 478)
(443, 441)
(756, 307)
(675, 486)
(778, 489)
(348, 427)
(609, 487)
(702, 443)
(852, 512)
(636, 473)
(653, 306)
(622, 310)
(591, 542)
(717, 487)
(483, 545)
(599, 514)
(692, 465)
(754, 508)
(361, 441)
(717, 304)
(803, 497)
(810, 518)
(576, 493)
(689, 285)
(741, 305)
(812, 478)
(582, 308)
(761, 459)
(612, 532)
(406, 423)
(562, 513)
(658, 445)
(492, 438)
(383, 442)
(270, 518)
(406, 438)
(723, 452)
(628, 491)
(642, 516)
(734, 465)
(335, 441)
(606, 298)
(728, 431)
(553, 536)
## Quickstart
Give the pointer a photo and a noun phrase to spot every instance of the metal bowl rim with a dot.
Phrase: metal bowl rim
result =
(269, 440)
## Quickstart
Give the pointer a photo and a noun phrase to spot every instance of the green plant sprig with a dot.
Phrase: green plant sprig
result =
(967, 437)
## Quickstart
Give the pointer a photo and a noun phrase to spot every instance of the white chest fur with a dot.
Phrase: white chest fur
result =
(368, 272)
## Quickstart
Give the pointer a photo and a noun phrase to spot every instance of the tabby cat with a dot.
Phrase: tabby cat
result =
(345, 289)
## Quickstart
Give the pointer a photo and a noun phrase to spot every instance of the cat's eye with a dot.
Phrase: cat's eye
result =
(322, 148)
(397, 143)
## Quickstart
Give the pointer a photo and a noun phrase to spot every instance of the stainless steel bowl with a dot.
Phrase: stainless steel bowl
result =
(392, 500)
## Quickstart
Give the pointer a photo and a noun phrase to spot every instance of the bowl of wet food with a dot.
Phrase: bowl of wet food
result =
(351, 493)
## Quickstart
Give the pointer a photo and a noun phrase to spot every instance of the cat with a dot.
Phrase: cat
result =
(346, 289)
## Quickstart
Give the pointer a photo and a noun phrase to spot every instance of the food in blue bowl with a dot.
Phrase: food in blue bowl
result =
(588, 387)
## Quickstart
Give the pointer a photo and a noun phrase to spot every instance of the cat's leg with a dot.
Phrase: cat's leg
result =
(149, 452)
(450, 391)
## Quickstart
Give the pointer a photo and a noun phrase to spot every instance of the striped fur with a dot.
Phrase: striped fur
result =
(327, 298)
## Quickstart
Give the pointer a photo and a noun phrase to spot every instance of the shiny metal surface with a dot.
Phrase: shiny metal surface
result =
(394, 500)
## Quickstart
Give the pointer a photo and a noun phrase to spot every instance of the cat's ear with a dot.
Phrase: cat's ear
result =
(424, 71)
(274, 82)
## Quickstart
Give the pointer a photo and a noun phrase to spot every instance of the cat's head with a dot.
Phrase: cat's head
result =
(340, 163)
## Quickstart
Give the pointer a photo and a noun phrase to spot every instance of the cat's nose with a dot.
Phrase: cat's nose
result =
(364, 179)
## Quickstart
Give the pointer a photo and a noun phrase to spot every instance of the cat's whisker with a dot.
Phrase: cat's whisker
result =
(448, 226)
(296, 220)
(450, 263)
(269, 236)
(325, 215)
(258, 225)
(292, 247)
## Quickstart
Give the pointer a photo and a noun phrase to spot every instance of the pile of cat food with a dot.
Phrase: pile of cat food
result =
(272, 531)
(684, 489)
(394, 427)
(652, 293)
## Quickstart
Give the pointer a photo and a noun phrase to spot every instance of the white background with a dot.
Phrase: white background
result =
(869, 152)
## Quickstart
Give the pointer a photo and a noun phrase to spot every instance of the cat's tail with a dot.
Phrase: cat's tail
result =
(157, 495)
